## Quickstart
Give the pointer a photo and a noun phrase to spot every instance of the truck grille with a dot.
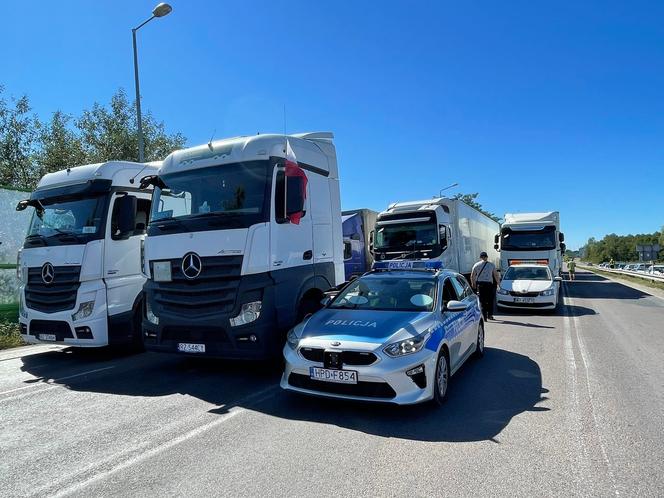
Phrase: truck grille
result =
(59, 295)
(213, 291)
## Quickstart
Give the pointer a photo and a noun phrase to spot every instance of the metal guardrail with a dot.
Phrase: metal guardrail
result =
(645, 276)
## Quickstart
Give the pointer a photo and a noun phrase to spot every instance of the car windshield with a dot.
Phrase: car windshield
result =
(82, 216)
(527, 273)
(235, 191)
(522, 240)
(388, 294)
(406, 236)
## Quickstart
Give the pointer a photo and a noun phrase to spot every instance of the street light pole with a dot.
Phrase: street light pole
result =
(160, 10)
(440, 194)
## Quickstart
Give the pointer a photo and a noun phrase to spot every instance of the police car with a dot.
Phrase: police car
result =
(395, 334)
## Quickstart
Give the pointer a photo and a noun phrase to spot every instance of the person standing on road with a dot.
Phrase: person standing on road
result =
(484, 278)
(571, 268)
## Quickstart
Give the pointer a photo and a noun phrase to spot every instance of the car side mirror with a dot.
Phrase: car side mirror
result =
(455, 306)
(325, 301)
(126, 215)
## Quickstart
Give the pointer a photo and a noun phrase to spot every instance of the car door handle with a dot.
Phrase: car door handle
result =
(307, 255)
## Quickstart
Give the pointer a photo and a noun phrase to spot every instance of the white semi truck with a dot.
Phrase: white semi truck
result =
(244, 239)
(80, 265)
(531, 238)
(443, 229)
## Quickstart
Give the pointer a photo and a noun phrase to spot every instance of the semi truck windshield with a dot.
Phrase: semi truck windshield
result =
(78, 219)
(406, 236)
(528, 240)
(233, 194)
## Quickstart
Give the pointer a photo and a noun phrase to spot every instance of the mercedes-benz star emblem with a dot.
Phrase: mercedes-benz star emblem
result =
(191, 265)
(335, 343)
(48, 273)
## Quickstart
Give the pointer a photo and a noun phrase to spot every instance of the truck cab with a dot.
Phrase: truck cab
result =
(527, 238)
(441, 229)
(244, 239)
(80, 265)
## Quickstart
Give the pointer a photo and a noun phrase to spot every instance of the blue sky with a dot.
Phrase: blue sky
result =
(535, 105)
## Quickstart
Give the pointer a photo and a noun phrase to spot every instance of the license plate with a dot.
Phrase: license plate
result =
(338, 376)
(47, 337)
(161, 271)
(524, 299)
(185, 347)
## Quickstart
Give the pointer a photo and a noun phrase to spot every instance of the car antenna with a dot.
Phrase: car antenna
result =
(210, 141)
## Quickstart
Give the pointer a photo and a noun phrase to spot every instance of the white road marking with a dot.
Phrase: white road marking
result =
(144, 455)
(585, 360)
(53, 381)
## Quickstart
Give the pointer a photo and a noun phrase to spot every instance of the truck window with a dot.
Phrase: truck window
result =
(294, 192)
(140, 221)
(348, 250)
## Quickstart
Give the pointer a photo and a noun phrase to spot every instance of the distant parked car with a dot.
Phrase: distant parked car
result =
(640, 267)
(629, 267)
(656, 270)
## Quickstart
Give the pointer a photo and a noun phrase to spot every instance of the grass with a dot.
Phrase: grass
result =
(10, 336)
(629, 278)
(7, 266)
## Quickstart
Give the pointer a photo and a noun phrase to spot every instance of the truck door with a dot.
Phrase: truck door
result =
(122, 257)
(291, 242)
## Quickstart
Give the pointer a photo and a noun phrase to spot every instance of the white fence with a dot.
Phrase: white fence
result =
(638, 274)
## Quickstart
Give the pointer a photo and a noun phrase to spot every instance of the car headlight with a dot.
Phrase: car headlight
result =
(548, 292)
(84, 310)
(292, 338)
(502, 291)
(407, 346)
(149, 314)
(248, 313)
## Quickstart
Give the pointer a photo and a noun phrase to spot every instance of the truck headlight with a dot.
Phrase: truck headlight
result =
(149, 314)
(407, 346)
(502, 291)
(84, 310)
(248, 313)
(548, 292)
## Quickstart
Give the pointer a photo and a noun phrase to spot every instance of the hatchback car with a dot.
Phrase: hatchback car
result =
(528, 286)
(396, 334)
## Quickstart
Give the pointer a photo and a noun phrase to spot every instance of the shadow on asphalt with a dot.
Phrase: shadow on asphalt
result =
(484, 396)
(591, 286)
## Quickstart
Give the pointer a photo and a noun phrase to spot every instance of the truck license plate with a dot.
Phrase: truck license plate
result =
(338, 376)
(185, 347)
(47, 337)
(524, 300)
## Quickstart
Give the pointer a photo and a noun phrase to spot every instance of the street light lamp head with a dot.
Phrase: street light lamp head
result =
(161, 10)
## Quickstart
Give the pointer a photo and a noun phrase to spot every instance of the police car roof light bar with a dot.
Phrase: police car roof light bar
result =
(408, 265)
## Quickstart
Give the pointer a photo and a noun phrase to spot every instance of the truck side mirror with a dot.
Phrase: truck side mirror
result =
(496, 238)
(495, 246)
(289, 198)
(372, 234)
(561, 237)
(563, 248)
(442, 232)
(126, 212)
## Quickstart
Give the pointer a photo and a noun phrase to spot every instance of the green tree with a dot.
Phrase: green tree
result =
(471, 200)
(108, 133)
(60, 147)
(19, 139)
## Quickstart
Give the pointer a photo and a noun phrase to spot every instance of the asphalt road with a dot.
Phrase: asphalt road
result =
(565, 404)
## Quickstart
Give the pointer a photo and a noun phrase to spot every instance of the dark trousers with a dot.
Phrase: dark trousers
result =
(487, 292)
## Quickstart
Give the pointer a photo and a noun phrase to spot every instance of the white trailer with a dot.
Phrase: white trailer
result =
(531, 238)
(244, 239)
(443, 229)
(80, 265)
